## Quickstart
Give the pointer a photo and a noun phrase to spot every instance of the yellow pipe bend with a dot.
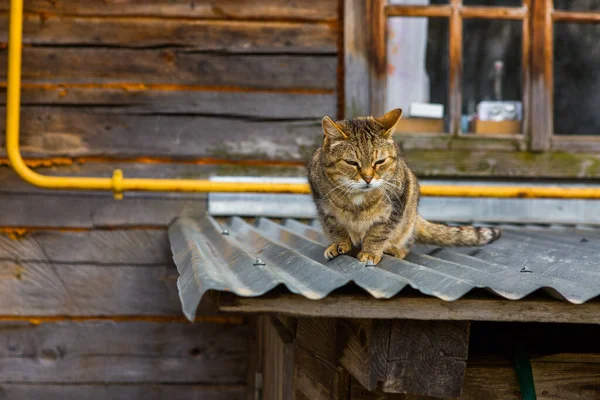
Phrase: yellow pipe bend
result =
(118, 184)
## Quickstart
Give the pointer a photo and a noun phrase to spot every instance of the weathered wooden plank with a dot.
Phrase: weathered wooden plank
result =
(491, 382)
(564, 376)
(217, 9)
(107, 247)
(93, 210)
(44, 289)
(16, 391)
(24, 205)
(422, 308)
(199, 35)
(146, 99)
(176, 66)
(427, 357)
(123, 352)
(99, 132)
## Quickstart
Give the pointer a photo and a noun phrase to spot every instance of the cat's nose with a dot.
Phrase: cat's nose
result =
(368, 179)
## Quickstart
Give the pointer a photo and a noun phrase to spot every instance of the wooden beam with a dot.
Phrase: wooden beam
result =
(415, 357)
(427, 357)
(421, 308)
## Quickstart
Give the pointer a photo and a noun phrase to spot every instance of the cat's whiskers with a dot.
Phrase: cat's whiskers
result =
(394, 191)
(384, 193)
(345, 184)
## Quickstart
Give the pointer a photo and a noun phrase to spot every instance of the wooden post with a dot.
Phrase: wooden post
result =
(365, 57)
(542, 118)
(456, 68)
(378, 56)
(356, 59)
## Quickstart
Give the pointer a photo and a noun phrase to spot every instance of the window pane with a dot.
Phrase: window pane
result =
(492, 81)
(576, 79)
(417, 80)
(577, 5)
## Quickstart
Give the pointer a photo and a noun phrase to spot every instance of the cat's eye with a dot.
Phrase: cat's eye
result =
(379, 162)
(350, 162)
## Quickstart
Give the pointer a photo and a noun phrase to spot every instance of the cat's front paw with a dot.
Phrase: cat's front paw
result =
(337, 249)
(368, 258)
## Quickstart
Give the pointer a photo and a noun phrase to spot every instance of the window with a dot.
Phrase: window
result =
(482, 78)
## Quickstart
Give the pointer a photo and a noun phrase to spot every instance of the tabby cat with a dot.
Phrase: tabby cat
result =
(367, 197)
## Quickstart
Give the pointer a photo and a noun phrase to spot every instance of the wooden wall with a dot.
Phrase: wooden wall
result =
(159, 88)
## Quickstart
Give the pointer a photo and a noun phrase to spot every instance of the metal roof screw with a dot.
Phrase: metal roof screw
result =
(225, 232)
(369, 263)
(258, 261)
(526, 269)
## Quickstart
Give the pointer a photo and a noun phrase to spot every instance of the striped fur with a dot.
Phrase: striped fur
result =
(367, 198)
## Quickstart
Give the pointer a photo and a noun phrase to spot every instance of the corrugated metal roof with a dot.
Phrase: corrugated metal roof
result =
(249, 258)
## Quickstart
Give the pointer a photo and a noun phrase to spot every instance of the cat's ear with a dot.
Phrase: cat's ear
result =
(389, 121)
(332, 131)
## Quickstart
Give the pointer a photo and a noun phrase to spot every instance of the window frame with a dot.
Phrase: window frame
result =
(365, 72)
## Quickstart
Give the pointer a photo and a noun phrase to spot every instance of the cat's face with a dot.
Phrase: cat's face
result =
(360, 154)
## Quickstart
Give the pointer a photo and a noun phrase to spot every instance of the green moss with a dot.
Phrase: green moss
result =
(503, 164)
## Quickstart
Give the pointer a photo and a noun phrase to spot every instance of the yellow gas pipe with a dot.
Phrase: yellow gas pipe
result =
(118, 184)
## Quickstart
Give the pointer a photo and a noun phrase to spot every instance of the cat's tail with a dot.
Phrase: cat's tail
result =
(430, 233)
